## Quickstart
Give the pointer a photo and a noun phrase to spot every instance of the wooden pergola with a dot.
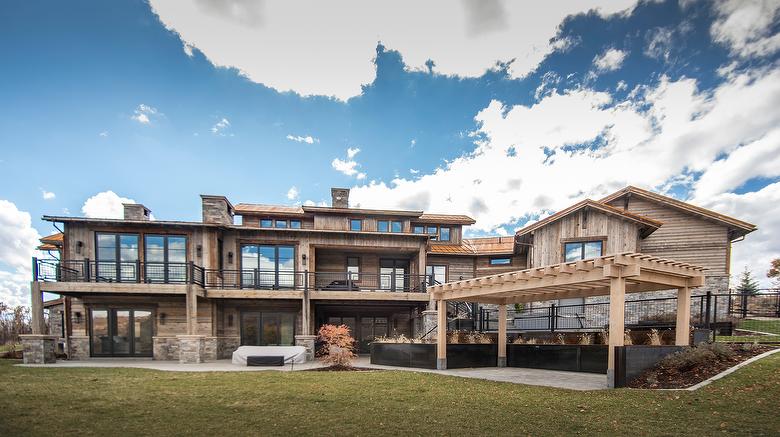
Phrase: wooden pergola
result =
(612, 275)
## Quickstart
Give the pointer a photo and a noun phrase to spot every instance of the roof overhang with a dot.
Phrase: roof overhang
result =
(586, 278)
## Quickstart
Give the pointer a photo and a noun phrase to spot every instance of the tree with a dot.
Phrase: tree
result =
(747, 285)
(774, 271)
(337, 346)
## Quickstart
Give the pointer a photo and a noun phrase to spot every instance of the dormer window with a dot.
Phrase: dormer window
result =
(580, 250)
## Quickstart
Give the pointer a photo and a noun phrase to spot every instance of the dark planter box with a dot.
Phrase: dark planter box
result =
(631, 361)
(424, 355)
(591, 358)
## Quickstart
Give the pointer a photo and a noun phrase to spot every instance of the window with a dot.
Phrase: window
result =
(295, 224)
(382, 226)
(500, 261)
(266, 223)
(267, 328)
(353, 268)
(397, 226)
(433, 231)
(582, 250)
(436, 274)
(418, 229)
(117, 255)
(355, 225)
(281, 223)
(444, 234)
(265, 266)
(165, 258)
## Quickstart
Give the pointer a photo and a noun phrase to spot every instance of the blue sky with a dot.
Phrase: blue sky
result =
(501, 110)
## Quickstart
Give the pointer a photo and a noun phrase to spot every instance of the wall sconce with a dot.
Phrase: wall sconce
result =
(79, 245)
(303, 257)
(199, 251)
(78, 317)
(162, 318)
(230, 257)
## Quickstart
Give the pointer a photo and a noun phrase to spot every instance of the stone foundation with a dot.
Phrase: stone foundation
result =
(39, 349)
(226, 346)
(306, 341)
(192, 349)
(210, 349)
(165, 348)
(79, 347)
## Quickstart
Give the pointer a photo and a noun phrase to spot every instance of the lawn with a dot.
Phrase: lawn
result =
(770, 326)
(38, 401)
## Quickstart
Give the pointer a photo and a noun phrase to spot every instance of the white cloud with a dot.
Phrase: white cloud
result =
(610, 60)
(220, 127)
(351, 152)
(348, 166)
(292, 193)
(308, 139)
(106, 204)
(414, 171)
(746, 27)
(144, 114)
(659, 43)
(18, 240)
(313, 203)
(328, 50)
(103, 134)
(47, 195)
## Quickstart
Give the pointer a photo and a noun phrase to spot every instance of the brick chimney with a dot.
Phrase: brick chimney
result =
(217, 209)
(136, 211)
(339, 197)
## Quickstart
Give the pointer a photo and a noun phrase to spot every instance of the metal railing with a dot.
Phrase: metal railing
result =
(117, 272)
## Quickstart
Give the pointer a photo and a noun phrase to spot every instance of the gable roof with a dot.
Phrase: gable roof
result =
(738, 227)
(649, 225)
(254, 208)
(454, 219)
(492, 245)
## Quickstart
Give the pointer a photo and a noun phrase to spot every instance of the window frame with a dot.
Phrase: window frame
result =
(277, 222)
(582, 243)
(449, 233)
(354, 220)
(386, 223)
(291, 221)
(350, 273)
(400, 226)
(420, 227)
(268, 220)
(492, 261)
(166, 260)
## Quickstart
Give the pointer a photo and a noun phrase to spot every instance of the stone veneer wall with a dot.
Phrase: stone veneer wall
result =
(213, 348)
(165, 348)
(79, 347)
(39, 349)
(226, 346)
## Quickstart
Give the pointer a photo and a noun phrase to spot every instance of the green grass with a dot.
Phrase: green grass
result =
(748, 338)
(39, 401)
(8, 347)
(771, 326)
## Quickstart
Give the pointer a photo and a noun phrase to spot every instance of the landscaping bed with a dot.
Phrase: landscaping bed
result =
(685, 369)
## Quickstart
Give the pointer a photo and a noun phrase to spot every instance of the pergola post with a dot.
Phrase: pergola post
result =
(501, 336)
(617, 302)
(441, 334)
(682, 327)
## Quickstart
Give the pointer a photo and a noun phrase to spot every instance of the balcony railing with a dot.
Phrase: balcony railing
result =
(189, 273)
(117, 272)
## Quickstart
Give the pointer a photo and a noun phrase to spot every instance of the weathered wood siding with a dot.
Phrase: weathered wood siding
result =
(683, 237)
(483, 267)
(618, 235)
(458, 267)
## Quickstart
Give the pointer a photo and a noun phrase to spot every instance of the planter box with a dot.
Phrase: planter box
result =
(571, 358)
(424, 355)
(631, 361)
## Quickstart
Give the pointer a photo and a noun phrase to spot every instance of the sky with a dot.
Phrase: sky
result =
(503, 110)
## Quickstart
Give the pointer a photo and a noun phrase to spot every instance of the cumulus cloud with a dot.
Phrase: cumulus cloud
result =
(610, 60)
(47, 195)
(308, 139)
(18, 240)
(348, 166)
(274, 44)
(747, 27)
(292, 193)
(144, 114)
(106, 204)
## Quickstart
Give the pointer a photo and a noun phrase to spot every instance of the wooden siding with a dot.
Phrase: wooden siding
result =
(683, 237)
(619, 235)
(483, 267)
(458, 267)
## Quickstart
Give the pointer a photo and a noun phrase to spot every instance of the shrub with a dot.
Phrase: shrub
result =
(627, 338)
(338, 347)
(690, 358)
(654, 337)
(604, 337)
(585, 339)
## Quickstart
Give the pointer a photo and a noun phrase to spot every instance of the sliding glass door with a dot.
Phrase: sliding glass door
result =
(121, 332)
(165, 258)
(266, 266)
(117, 258)
(263, 328)
(393, 274)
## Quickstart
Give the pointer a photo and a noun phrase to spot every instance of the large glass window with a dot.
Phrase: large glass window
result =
(121, 332)
(353, 268)
(397, 226)
(382, 226)
(165, 258)
(418, 229)
(444, 234)
(582, 250)
(393, 274)
(117, 257)
(266, 266)
(438, 274)
(355, 225)
(267, 328)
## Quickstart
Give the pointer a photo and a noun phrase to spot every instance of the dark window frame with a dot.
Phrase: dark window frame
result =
(449, 233)
(582, 244)
(117, 255)
(165, 262)
(386, 223)
(269, 221)
(360, 226)
(400, 226)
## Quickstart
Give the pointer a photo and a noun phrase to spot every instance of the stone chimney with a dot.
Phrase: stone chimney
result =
(339, 197)
(217, 210)
(136, 211)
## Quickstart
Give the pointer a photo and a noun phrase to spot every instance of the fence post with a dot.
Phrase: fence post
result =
(708, 312)
(552, 317)
(87, 273)
(35, 269)
(744, 301)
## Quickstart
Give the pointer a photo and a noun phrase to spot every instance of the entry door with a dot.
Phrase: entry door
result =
(393, 274)
(121, 332)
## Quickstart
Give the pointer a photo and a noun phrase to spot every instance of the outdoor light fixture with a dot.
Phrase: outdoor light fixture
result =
(230, 257)
(79, 245)
(162, 318)
(303, 257)
(199, 251)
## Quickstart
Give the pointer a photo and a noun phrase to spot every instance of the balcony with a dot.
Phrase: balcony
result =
(138, 272)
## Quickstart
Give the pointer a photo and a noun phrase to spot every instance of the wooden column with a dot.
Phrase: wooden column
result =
(682, 329)
(36, 308)
(305, 313)
(617, 304)
(192, 310)
(501, 336)
(441, 335)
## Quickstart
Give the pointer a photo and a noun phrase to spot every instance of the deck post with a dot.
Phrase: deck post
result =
(441, 335)
(36, 308)
(682, 328)
(617, 303)
(192, 310)
(501, 336)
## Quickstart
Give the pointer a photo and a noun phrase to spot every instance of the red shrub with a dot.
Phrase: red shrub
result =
(338, 347)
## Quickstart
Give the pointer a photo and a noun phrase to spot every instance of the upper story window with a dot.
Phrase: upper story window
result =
(444, 234)
(295, 224)
(116, 256)
(382, 226)
(353, 267)
(433, 231)
(165, 256)
(582, 250)
(266, 223)
(500, 261)
(281, 223)
(396, 226)
(355, 224)
(418, 229)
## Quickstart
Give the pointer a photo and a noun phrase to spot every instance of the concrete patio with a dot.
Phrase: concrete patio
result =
(548, 378)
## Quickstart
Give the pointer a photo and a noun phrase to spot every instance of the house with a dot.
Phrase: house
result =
(254, 274)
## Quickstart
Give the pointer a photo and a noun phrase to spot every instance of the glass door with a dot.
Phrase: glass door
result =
(121, 332)
(264, 266)
(117, 258)
(393, 274)
(165, 258)
(370, 329)
(267, 329)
